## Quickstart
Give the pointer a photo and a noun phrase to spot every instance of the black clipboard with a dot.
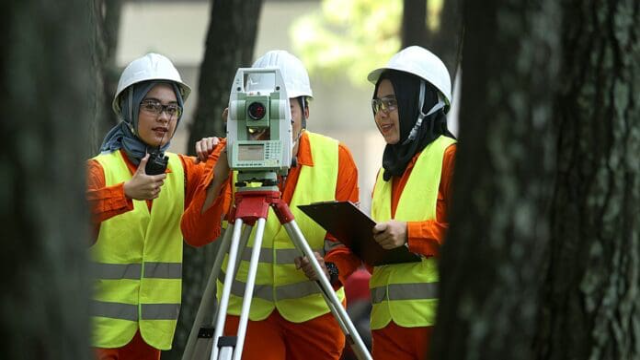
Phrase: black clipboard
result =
(354, 228)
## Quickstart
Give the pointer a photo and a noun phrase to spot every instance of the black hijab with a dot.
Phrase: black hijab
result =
(407, 90)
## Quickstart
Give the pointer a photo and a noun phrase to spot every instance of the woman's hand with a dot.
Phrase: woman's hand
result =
(390, 234)
(143, 186)
(204, 147)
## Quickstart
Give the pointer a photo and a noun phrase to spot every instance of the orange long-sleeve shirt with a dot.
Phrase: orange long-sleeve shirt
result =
(347, 190)
(425, 237)
(106, 202)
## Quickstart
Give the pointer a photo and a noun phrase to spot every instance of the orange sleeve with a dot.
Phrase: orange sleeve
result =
(105, 202)
(347, 190)
(426, 237)
(200, 228)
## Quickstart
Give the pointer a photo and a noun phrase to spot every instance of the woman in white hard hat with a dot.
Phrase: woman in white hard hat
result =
(289, 318)
(410, 198)
(137, 201)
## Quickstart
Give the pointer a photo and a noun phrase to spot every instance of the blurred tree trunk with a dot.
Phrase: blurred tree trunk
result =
(446, 41)
(45, 80)
(491, 269)
(230, 41)
(414, 23)
(106, 15)
(592, 302)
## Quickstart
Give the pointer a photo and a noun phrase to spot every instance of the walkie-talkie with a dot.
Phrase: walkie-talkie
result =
(157, 163)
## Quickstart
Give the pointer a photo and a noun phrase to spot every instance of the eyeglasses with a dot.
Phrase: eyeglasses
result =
(386, 104)
(156, 108)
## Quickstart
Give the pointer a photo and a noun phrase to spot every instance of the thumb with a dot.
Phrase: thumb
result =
(379, 228)
(143, 165)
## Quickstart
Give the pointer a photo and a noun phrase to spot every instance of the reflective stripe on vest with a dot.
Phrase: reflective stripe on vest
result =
(134, 271)
(281, 256)
(138, 263)
(406, 293)
(278, 283)
(266, 292)
(130, 312)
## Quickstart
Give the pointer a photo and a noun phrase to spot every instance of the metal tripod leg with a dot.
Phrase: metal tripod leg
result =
(329, 294)
(200, 340)
(230, 347)
(203, 325)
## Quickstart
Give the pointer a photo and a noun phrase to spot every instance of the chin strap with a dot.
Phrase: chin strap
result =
(304, 122)
(414, 132)
(130, 122)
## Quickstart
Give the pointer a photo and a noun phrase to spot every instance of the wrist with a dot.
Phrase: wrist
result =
(333, 272)
(125, 190)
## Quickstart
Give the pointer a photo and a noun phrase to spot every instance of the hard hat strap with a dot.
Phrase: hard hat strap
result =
(303, 105)
(414, 132)
(130, 100)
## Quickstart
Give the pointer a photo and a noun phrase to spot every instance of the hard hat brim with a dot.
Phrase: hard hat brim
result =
(184, 88)
(375, 75)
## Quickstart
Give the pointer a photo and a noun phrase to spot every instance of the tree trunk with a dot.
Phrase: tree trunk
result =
(106, 15)
(45, 81)
(491, 264)
(414, 23)
(446, 41)
(230, 41)
(592, 302)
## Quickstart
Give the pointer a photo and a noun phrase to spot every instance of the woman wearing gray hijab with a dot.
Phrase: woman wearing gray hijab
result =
(138, 194)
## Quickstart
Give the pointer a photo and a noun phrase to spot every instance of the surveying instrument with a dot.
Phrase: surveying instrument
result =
(259, 148)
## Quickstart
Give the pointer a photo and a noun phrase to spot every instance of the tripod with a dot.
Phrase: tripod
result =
(251, 208)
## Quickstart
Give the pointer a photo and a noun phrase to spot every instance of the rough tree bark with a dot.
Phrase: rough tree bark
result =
(592, 302)
(106, 18)
(45, 82)
(491, 264)
(230, 42)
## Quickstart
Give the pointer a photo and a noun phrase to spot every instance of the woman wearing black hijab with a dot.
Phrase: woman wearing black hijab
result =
(410, 198)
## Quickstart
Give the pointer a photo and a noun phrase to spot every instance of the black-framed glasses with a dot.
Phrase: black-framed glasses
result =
(156, 108)
(387, 104)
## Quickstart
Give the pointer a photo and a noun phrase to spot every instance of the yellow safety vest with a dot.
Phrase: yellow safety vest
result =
(406, 293)
(138, 263)
(279, 285)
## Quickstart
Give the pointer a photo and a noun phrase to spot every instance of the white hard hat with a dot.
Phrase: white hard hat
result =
(422, 63)
(293, 72)
(149, 67)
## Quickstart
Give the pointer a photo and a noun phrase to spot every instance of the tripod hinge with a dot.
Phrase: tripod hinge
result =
(224, 341)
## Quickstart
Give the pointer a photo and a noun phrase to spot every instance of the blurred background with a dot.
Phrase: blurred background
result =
(541, 256)
(340, 42)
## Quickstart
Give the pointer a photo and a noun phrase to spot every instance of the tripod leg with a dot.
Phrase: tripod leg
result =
(226, 290)
(244, 240)
(205, 317)
(330, 296)
(231, 346)
(248, 290)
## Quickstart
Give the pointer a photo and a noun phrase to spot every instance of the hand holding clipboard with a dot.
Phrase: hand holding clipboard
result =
(354, 229)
